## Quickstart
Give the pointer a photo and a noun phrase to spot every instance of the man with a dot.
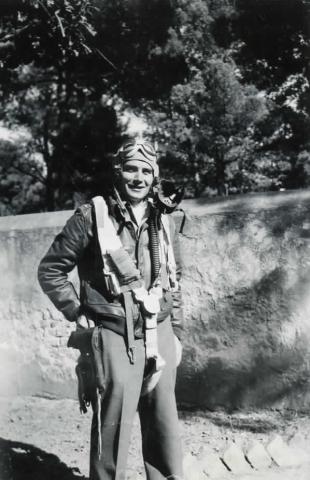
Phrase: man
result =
(127, 256)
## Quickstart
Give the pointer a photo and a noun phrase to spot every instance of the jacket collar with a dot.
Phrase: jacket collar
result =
(119, 209)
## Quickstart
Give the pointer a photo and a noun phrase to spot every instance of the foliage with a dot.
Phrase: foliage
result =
(270, 42)
(213, 116)
(223, 85)
(50, 88)
(240, 119)
(210, 112)
(21, 175)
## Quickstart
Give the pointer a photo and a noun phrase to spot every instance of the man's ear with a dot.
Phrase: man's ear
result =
(117, 171)
(156, 182)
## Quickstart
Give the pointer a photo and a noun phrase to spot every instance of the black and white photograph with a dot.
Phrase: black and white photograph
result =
(154, 239)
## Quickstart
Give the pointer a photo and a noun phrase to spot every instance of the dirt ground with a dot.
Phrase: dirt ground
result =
(49, 439)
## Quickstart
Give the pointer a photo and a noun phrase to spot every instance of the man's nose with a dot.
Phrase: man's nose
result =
(139, 176)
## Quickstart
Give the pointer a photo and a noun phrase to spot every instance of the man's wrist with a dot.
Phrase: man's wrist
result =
(84, 322)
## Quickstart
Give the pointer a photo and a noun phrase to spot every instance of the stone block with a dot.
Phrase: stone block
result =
(36, 318)
(59, 332)
(192, 468)
(213, 342)
(283, 455)
(63, 341)
(301, 456)
(299, 443)
(54, 342)
(44, 323)
(211, 464)
(258, 456)
(235, 460)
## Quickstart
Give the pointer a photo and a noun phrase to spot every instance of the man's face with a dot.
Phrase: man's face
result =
(136, 180)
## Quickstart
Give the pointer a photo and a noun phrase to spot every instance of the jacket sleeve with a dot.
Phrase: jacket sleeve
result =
(61, 258)
(177, 318)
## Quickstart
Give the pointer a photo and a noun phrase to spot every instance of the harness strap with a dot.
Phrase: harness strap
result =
(167, 246)
(107, 236)
(151, 344)
(112, 250)
(99, 400)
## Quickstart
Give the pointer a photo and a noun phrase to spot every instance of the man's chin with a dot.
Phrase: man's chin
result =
(133, 199)
(136, 196)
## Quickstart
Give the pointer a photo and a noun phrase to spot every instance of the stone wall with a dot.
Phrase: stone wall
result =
(247, 302)
(246, 292)
(34, 358)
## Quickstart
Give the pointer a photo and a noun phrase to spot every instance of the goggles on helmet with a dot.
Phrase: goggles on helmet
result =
(143, 151)
(130, 149)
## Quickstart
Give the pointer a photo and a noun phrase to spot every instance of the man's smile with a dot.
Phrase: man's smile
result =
(136, 180)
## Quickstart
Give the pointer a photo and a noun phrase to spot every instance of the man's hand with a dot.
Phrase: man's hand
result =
(84, 322)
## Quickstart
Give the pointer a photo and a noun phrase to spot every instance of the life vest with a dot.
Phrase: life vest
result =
(119, 269)
(123, 278)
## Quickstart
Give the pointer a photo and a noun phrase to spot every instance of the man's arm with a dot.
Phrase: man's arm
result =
(60, 259)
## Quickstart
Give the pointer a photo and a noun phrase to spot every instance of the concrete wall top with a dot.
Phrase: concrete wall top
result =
(250, 202)
(34, 221)
(203, 206)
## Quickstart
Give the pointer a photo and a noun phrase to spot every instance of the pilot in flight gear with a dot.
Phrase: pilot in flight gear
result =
(126, 250)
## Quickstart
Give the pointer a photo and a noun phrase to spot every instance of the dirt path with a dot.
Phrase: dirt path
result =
(49, 439)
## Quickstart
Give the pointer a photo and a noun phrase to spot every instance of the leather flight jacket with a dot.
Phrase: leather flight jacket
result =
(77, 246)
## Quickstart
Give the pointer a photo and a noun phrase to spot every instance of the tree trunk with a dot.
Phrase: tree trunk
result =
(50, 195)
(49, 183)
(220, 174)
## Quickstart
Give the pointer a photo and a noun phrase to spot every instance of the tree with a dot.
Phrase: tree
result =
(211, 115)
(209, 112)
(60, 57)
(239, 120)
(55, 76)
(270, 42)
(231, 114)
(21, 177)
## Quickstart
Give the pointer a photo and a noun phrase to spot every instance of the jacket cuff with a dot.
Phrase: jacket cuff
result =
(72, 314)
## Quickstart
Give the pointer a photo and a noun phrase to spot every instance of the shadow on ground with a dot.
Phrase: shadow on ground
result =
(21, 461)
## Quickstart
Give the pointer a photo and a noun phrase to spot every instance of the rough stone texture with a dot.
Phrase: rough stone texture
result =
(246, 299)
(247, 302)
(34, 358)
(258, 456)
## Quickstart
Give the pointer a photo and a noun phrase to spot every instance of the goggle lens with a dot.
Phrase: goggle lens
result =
(130, 149)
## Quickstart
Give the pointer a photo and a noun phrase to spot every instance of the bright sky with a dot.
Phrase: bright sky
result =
(136, 126)
(5, 133)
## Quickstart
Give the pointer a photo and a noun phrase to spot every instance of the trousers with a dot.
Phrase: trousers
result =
(161, 444)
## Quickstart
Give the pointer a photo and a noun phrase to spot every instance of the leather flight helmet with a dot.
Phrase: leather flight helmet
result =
(138, 150)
